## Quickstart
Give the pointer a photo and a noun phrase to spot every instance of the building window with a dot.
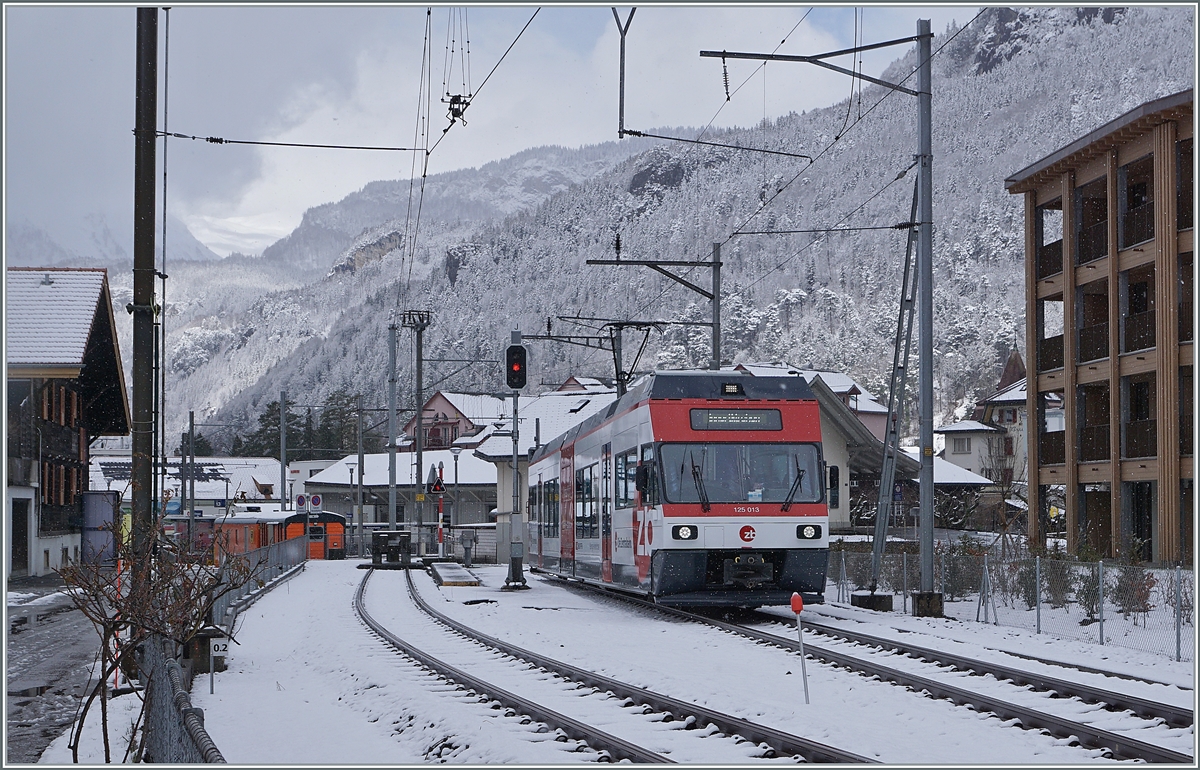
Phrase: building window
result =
(1137, 519)
(1050, 333)
(1091, 309)
(1091, 221)
(961, 446)
(1093, 407)
(1187, 410)
(1135, 188)
(1052, 447)
(1138, 413)
(1183, 183)
(835, 486)
(1048, 234)
(1137, 309)
(1186, 307)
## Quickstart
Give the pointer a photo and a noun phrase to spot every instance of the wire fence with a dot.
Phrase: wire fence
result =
(174, 729)
(1125, 605)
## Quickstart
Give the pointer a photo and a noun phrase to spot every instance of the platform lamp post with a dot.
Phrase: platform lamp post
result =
(355, 512)
(455, 519)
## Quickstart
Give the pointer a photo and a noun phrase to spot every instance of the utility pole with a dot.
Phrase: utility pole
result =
(392, 426)
(359, 512)
(418, 320)
(926, 602)
(283, 490)
(142, 307)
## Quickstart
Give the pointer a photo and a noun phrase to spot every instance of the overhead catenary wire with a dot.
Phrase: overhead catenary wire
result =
(823, 153)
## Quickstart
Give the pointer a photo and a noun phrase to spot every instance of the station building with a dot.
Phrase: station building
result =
(1109, 302)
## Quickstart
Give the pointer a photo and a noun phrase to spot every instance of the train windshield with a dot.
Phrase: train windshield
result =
(737, 473)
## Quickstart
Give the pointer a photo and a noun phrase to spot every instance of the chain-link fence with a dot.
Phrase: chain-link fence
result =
(174, 730)
(1103, 603)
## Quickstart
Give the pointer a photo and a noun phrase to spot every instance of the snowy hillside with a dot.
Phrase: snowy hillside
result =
(506, 246)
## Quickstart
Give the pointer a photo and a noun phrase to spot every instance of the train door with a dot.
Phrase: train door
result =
(566, 511)
(537, 510)
(606, 513)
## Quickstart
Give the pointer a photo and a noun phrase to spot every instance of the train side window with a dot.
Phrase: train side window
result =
(535, 510)
(551, 507)
(586, 494)
(649, 476)
(626, 473)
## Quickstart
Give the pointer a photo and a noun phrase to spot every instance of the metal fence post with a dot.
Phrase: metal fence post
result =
(1037, 588)
(1178, 612)
(983, 592)
(904, 568)
(1100, 588)
(943, 560)
(842, 587)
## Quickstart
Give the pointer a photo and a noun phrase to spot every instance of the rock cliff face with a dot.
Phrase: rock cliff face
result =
(506, 245)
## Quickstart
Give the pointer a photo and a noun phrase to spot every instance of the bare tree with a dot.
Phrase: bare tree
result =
(175, 603)
(1000, 465)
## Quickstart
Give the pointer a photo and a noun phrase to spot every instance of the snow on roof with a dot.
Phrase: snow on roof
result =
(1013, 394)
(471, 470)
(478, 408)
(861, 399)
(554, 412)
(949, 474)
(109, 472)
(968, 426)
(50, 314)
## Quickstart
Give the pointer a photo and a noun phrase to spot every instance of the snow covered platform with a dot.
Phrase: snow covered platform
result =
(448, 573)
(412, 564)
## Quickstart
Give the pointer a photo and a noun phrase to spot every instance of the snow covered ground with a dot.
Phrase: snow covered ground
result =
(307, 684)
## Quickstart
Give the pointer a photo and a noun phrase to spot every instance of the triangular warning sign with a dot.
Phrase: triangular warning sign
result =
(437, 487)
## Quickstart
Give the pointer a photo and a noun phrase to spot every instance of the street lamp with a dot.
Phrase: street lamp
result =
(454, 517)
(350, 466)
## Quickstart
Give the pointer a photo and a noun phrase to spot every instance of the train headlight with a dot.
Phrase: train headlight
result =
(685, 532)
(808, 531)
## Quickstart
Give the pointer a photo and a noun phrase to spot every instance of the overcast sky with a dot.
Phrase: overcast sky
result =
(351, 75)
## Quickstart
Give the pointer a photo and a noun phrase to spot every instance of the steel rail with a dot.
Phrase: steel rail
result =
(1089, 737)
(1174, 716)
(617, 748)
(782, 742)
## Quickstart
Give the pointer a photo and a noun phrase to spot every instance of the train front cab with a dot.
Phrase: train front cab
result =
(743, 512)
(325, 531)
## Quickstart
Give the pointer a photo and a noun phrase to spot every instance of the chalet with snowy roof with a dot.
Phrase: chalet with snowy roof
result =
(1109, 302)
(66, 387)
(449, 416)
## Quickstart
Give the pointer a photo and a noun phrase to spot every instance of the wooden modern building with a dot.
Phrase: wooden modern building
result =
(1109, 302)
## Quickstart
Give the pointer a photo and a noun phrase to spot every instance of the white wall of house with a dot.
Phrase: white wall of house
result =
(837, 455)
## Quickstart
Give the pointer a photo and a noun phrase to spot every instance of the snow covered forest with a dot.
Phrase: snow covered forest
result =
(505, 245)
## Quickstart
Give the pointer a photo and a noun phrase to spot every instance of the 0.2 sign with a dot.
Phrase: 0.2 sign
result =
(219, 645)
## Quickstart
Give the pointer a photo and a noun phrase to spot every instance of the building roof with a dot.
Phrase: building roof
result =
(59, 324)
(864, 448)
(948, 474)
(861, 400)
(1132, 124)
(471, 469)
(1014, 370)
(968, 426)
(1013, 394)
(552, 414)
(113, 472)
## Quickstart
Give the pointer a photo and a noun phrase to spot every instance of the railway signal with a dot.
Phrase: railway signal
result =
(514, 366)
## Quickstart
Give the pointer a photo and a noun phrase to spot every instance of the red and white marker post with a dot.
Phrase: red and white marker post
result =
(798, 607)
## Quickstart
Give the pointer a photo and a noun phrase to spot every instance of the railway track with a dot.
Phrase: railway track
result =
(1173, 716)
(1120, 746)
(688, 715)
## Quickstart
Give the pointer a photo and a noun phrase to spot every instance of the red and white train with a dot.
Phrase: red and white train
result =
(693, 489)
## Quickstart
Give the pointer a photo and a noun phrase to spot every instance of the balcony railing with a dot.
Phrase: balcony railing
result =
(1186, 319)
(1137, 225)
(1093, 242)
(1049, 259)
(1141, 438)
(1050, 353)
(1093, 443)
(1093, 342)
(1052, 448)
(1139, 331)
(1185, 434)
